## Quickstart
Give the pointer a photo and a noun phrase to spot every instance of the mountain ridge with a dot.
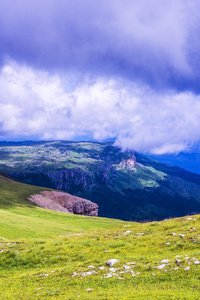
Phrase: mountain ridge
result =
(125, 185)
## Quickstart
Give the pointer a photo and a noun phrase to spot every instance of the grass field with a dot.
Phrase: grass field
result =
(51, 255)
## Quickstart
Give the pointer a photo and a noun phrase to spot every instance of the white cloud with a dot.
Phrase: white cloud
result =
(37, 103)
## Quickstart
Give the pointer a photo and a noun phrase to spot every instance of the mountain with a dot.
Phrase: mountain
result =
(125, 185)
(188, 161)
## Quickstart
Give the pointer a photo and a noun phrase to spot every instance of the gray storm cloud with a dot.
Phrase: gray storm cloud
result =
(154, 42)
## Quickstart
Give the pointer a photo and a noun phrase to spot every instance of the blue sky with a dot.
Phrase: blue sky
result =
(125, 70)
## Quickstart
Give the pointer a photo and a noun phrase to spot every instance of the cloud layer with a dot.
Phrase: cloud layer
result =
(37, 103)
(125, 70)
(154, 42)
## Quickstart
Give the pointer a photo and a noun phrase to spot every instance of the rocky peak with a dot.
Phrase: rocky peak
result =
(127, 164)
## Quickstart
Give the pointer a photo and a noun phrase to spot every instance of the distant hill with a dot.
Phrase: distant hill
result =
(125, 185)
(188, 161)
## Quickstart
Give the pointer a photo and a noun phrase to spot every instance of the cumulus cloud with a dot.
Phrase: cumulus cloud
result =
(35, 102)
(155, 42)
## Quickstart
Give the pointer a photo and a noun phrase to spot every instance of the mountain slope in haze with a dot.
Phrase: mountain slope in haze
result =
(188, 161)
(128, 186)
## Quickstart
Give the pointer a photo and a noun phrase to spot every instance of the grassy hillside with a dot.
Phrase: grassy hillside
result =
(153, 263)
(19, 218)
(51, 255)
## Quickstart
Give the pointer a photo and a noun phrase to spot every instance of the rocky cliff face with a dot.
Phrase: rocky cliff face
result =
(65, 202)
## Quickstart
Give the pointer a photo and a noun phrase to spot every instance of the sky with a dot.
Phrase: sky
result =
(122, 70)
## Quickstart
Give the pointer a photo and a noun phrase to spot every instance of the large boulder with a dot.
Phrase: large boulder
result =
(65, 202)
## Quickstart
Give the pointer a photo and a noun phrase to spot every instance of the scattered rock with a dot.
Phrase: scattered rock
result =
(196, 262)
(126, 267)
(187, 268)
(112, 269)
(181, 235)
(128, 231)
(107, 276)
(165, 261)
(140, 234)
(161, 266)
(111, 262)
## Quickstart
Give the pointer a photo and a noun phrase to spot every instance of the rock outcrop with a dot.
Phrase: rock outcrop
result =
(65, 202)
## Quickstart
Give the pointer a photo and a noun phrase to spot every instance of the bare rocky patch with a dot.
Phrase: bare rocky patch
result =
(64, 202)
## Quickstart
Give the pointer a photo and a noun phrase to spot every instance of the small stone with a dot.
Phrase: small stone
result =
(182, 235)
(178, 261)
(196, 262)
(173, 233)
(126, 267)
(140, 234)
(108, 276)
(187, 268)
(189, 218)
(153, 274)
(90, 267)
(161, 266)
(128, 231)
(112, 269)
(165, 261)
(101, 268)
(89, 289)
(111, 262)
(168, 243)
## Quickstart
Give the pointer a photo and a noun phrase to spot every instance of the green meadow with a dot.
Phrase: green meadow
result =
(52, 255)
